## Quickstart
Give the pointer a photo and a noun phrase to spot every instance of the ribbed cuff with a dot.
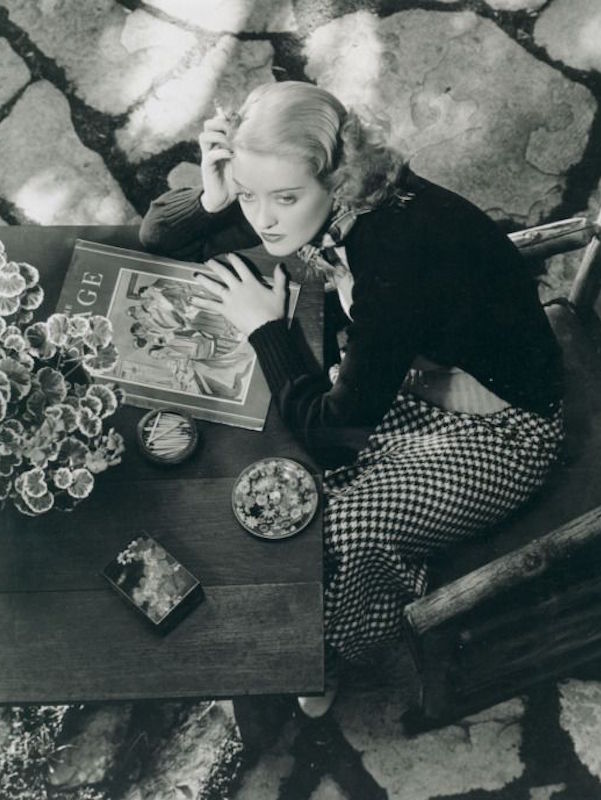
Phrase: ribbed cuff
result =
(278, 354)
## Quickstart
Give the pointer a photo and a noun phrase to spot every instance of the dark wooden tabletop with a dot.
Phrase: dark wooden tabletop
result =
(66, 636)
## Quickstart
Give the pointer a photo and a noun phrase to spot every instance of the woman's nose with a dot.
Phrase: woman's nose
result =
(265, 217)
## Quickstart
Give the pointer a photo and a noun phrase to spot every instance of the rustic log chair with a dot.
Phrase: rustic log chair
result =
(522, 603)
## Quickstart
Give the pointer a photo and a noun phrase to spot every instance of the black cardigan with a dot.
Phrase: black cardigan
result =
(434, 276)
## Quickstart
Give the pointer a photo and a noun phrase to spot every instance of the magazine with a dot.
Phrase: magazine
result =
(173, 352)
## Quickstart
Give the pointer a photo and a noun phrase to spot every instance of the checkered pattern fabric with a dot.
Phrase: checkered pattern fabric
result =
(427, 478)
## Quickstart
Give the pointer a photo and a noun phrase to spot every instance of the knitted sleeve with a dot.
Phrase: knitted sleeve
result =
(177, 225)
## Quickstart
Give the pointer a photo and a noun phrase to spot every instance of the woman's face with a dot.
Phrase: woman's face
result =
(280, 197)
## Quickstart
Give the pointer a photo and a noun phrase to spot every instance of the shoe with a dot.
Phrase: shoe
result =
(319, 705)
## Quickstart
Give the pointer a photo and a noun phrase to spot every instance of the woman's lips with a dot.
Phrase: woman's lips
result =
(272, 237)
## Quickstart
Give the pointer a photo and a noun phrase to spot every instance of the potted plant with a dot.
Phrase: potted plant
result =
(53, 430)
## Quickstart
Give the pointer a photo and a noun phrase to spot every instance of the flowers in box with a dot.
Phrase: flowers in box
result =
(53, 439)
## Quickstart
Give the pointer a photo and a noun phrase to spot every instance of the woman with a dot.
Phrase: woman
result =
(450, 367)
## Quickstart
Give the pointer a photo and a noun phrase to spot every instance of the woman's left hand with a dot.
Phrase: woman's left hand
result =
(240, 297)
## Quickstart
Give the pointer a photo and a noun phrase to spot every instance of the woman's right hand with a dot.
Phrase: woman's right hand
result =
(215, 166)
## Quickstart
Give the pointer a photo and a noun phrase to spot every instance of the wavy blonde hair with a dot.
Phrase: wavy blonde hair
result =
(299, 120)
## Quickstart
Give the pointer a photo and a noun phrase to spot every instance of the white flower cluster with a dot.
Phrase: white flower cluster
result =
(52, 438)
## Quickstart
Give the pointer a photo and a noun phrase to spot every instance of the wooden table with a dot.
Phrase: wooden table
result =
(66, 636)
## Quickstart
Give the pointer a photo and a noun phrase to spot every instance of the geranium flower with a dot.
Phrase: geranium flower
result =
(62, 477)
(52, 383)
(12, 283)
(14, 425)
(35, 404)
(14, 341)
(73, 451)
(58, 329)
(41, 504)
(78, 325)
(82, 484)
(93, 404)
(39, 341)
(21, 506)
(32, 299)
(26, 361)
(97, 462)
(29, 273)
(9, 330)
(100, 332)
(8, 306)
(103, 360)
(37, 456)
(18, 376)
(33, 482)
(75, 351)
(115, 442)
(89, 423)
(10, 439)
(24, 317)
(51, 420)
(9, 462)
(65, 413)
(107, 398)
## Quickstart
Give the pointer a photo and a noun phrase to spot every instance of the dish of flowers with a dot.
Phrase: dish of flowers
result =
(274, 498)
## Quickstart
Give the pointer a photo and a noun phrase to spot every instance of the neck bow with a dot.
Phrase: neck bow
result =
(319, 254)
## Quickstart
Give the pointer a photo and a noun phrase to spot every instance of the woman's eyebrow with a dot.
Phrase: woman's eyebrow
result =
(273, 191)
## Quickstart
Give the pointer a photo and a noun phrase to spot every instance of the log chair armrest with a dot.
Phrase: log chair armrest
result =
(457, 598)
(587, 282)
(543, 241)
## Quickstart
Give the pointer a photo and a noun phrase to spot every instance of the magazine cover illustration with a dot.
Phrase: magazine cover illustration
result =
(174, 349)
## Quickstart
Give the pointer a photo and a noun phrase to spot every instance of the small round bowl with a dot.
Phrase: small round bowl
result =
(275, 498)
(167, 436)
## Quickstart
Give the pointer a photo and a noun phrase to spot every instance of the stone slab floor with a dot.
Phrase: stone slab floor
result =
(101, 102)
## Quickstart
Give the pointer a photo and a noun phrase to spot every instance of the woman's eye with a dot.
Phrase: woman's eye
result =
(245, 196)
(287, 199)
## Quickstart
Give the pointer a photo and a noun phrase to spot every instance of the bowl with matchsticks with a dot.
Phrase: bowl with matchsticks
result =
(167, 436)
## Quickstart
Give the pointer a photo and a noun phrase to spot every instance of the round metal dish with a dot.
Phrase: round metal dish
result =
(274, 498)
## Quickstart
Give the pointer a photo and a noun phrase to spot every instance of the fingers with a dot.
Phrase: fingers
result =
(224, 279)
(214, 287)
(202, 304)
(217, 123)
(214, 147)
(217, 156)
(209, 139)
(224, 274)
(243, 271)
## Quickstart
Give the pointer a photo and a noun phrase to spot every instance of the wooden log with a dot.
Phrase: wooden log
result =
(530, 561)
(543, 241)
(559, 659)
(587, 281)
(520, 616)
(470, 696)
(532, 646)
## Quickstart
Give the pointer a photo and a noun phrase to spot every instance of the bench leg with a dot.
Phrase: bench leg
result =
(260, 718)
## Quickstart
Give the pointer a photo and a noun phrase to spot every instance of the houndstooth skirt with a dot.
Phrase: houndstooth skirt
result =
(428, 478)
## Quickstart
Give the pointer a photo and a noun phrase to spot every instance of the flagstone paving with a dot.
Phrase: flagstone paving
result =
(100, 108)
(433, 79)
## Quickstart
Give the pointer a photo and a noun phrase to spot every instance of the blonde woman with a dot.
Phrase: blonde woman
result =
(445, 415)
